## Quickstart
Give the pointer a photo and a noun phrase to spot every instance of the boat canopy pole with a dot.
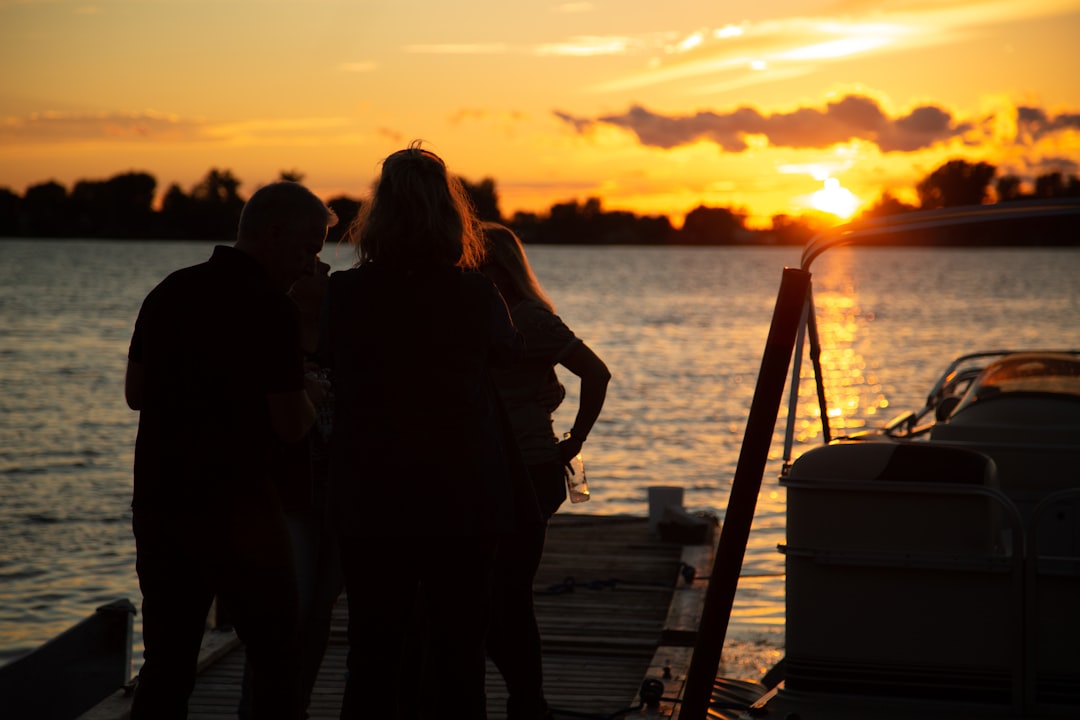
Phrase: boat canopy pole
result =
(735, 532)
(819, 379)
(807, 329)
(793, 386)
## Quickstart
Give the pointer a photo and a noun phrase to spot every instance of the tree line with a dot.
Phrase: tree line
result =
(122, 207)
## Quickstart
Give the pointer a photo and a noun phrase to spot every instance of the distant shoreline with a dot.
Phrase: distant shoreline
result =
(974, 244)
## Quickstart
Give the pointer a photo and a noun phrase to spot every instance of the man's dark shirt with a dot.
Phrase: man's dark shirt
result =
(213, 341)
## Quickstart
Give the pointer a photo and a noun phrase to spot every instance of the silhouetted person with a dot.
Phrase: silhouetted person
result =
(420, 473)
(514, 642)
(318, 562)
(216, 370)
(318, 556)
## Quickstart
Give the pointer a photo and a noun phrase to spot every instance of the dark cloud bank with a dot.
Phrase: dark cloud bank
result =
(854, 117)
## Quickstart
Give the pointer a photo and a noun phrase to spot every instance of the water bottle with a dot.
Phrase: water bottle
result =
(576, 484)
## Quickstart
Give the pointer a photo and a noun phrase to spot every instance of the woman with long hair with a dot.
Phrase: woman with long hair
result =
(514, 640)
(420, 467)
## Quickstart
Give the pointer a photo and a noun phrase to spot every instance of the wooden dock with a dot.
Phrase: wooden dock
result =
(615, 604)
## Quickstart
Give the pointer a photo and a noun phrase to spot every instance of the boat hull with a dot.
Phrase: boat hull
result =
(75, 670)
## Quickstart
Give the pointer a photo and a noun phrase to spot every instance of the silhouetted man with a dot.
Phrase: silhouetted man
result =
(216, 370)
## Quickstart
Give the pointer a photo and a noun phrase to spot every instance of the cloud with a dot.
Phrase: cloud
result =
(759, 52)
(394, 136)
(854, 117)
(76, 127)
(581, 125)
(150, 126)
(464, 115)
(1030, 167)
(587, 46)
(1032, 124)
(294, 130)
(1064, 165)
(764, 51)
(574, 46)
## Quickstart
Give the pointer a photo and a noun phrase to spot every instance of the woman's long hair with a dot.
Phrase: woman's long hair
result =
(419, 214)
(506, 250)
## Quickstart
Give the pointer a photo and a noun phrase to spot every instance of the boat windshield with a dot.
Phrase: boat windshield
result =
(1054, 373)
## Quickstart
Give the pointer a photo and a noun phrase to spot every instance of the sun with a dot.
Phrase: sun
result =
(835, 200)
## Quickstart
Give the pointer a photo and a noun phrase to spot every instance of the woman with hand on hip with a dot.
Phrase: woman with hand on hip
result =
(514, 643)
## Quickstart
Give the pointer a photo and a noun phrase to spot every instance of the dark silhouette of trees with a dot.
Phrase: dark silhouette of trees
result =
(1049, 186)
(1072, 189)
(131, 204)
(210, 212)
(216, 205)
(712, 226)
(10, 204)
(654, 230)
(574, 223)
(175, 212)
(1008, 188)
(887, 204)
(1046, 186)
(484, 199)
(957, 182)
(346, 209)
(88, 207)
(788, 230)
(45, 207)
(123, 207)
(567, 223)
(120, 207)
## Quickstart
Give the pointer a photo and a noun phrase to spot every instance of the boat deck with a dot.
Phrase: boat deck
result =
(614, 607)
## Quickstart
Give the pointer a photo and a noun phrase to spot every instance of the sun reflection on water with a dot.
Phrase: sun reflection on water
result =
(852, 392)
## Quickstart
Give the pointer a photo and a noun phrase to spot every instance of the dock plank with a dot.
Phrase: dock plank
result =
(613, 609)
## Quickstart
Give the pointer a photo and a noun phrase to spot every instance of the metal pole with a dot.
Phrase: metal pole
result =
(793, 388)
(819, 379)
(742, 502)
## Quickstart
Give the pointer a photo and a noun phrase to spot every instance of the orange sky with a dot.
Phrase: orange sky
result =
(656, 107)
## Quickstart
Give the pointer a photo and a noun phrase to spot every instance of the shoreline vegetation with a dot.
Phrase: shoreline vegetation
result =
(123, 208)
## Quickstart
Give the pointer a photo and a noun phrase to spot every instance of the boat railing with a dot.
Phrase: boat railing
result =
(872, 230)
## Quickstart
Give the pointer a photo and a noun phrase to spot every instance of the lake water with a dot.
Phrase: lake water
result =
(682, 331)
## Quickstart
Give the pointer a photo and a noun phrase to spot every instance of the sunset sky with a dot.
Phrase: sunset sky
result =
(655, 107)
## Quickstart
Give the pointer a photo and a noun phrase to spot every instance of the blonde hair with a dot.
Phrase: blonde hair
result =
(418, 214)
(506, 250)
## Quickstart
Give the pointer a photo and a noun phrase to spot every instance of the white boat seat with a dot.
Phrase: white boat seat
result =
(900, 579)
(1032, 460)
(1035, 411)
(842, 495)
